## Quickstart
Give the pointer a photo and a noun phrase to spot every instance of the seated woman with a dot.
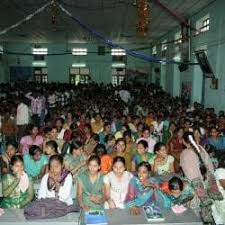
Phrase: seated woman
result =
(75, 162)
(141, 190)
(32, 139)
(11, 148)
(35, 162)
(163, 163)
(17, 187)
(110, 143)
(106, 159)
(116, 184)
(216, 140)
(178, 191)
(120, 150)
(55, 193)
(57, 183)
(90, 190)
(142, 155)
(51, 148)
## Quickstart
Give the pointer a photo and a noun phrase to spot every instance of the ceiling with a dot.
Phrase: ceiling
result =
(115, 19)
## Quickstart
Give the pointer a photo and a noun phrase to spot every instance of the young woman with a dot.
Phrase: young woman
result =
(176, 147)
(90, 190)
(216, 140)
(178, 191)
(32, 139)
(106, 159)
(11, 149)
(198, 168)
(163, 163)
(75, 162)
(168, 134)
(57, 183)
(116, 184)
(51, 148)
(110, 142)
(141, 190)
(35, 162)
(146, 135)
(142, 155)
(17, 187)
(120, 150)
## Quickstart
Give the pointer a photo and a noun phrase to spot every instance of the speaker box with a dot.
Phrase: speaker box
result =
(157, 70)
(183, 67)
(204, 64)
(101, 50)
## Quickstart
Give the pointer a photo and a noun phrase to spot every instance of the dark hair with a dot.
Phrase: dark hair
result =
(106, 124)
(158, 146)
(100, 150)
(109, 137)
(52, 144)
(60, 119)
(210, 149)
(146, 127)
(120, 140)
(31, 127)
(13, 143)
(127, 133)
(119, 159)
(16, 158)
(34, 149)
(175, 183)
(75, 145)
(95, 158)
(57, 157)
(144, 164)
(144, 143)
(222, 162)
(95, 137)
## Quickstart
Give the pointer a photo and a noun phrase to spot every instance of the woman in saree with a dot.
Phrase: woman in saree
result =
(142, 191)
(90, 190)
(17, 187)
(75, 161)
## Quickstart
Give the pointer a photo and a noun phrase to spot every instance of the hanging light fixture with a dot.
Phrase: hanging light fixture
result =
(143, 17)
(55, 14)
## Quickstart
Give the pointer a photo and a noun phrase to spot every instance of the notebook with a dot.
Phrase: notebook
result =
(153, 213)
(95, 217)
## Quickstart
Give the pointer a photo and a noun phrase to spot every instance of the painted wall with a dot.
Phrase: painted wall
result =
(58, 66)
(213, 41)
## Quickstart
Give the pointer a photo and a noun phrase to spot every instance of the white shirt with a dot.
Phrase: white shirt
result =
(22, 114)
(118, 188)
(65, 191)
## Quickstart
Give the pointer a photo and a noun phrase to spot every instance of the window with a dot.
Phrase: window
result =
(205, 26)
(79, 75)
(39, 51)
(1, 50)
(79, 51)
(164, 48)
(154, 51)
(178, 38)
(202, 25)
(41, 75)
(118, 76)
(164, 45)
(118, 51)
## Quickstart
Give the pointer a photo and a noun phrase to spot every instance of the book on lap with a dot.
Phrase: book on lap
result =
(153, 213)
(95, 217)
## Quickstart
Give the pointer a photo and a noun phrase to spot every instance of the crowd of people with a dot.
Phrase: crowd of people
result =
(120, 147)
